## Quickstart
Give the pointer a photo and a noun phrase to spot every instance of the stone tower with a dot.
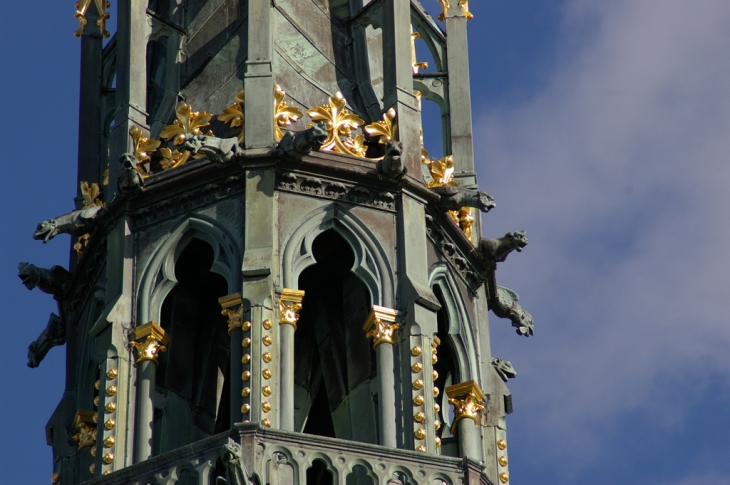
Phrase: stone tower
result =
(272, 282)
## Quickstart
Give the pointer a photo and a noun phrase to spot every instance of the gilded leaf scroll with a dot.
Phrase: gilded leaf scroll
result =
(339, 123)
(284, 115)
(233, 115)
(82, 6)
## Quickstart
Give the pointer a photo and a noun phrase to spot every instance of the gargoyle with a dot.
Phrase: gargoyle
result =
(296, 146)
(53, 281)
(504, 305)
(504, 369)
(53, 335)
(454, 198)
(391, 167)
(497, 250)
(235, 471)
(130, 182)
(220, 150)
(76, 223)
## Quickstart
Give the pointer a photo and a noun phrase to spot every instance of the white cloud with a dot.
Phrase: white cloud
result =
(619, 172)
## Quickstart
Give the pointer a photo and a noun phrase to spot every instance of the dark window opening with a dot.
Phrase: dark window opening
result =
(447, 373)
(318, 474)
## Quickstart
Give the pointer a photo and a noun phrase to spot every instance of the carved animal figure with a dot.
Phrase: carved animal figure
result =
(76, 223)
(504, 369)
(504, 305)
(497, 250)
(220, 150)
(296, 146)
(454, 198)
(53, 281)
(130, 182)
(53, 335)
(236, 473)
(392, 167)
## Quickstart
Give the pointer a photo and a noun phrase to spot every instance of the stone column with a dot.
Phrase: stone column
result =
(149, 340)
(290, 303)
(381, 326)
(468, 402)
(232, 308)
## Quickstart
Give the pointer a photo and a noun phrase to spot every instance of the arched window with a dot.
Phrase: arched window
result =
(448, 374)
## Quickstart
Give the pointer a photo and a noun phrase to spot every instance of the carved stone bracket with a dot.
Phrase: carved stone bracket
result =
(496, 250)
(290, 303)
(233, 310)
(380, 325)
(85, 425)
(356, 194)
(468, 401)
(504, 369)
(149, 340)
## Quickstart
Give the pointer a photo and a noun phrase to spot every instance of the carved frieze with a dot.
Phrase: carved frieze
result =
(356, 194)
(452, 254)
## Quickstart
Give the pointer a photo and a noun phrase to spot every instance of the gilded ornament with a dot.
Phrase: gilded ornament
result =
(290, 303)
(110, 407)
(437, 442)
(464, 6)
(86, 435)
(173, 158)
(418, 384)
(437, 425)
(233, 115)
(245, 408)
(95, 418)
(110, 423)
(234, 315)
(467, 399)
(106, 472)
(246, 358)
(55, 478)
(105, 177)
(436, 408)
(434, 359)
(266, 373)
(339, 123)
(442, 172)
(188, 123)
(266, 423)
(415, 65)
(380, 325)
(92, 451)
(435, 376)
(266, 391)
(96, 402)
(267, 324)
(502, 444)
(91, 194)
(246, 326)
(155, 341)
(82, 6)
(284, 115)
(111, 391)
(420, 433)
(109, 441)
(444, 9)
(92, 468)
(142, 149)
(267, 340)
(266, 406)
(384, 130)
(112, 374)
(418, 400)
(435, 392)
(465, 220)
(419, 417)
(108, 458)
(504, 477)
(417, 367)
(421, 449)
(416, 351)
(245, 343)
(246, 391)
(80, 245)
(246, 375)
(266, 357)
(502, 460)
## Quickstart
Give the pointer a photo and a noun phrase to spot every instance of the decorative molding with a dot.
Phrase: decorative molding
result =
(155, 341)
(380, 325)
(85, 423)
(290, 303)
(468, 401)
(452, 254)
(234, 315)
(329, 189)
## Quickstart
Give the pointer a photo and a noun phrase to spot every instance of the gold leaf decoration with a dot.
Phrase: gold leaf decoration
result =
(143, 149)
(444, 9)
(415, 65)
(82, 6)
(464, 6)
(339, 123)
(91, 192)
(465, 221)
(442, 172)
(233, 115)
(284, 115)
(173, 158)
(383, 130)
(80, 245)
(105, 177)
(188, 123)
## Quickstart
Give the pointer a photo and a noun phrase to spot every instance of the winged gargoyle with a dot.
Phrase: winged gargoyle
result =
(76, 223)
(497, 250)
(220, 150)
(504, 305)
(295, 146)
(504, 369)
(454, 198)
(53, 335)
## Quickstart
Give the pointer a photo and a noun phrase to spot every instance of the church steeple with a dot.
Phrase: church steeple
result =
(267, 258)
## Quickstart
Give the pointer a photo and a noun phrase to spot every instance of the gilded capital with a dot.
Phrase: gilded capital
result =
(467, 399)
(381, 325)
(85, 426)
(290, 303)
(232, 308)
(149, 340)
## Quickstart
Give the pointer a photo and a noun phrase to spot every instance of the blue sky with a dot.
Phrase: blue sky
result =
(600, 127)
